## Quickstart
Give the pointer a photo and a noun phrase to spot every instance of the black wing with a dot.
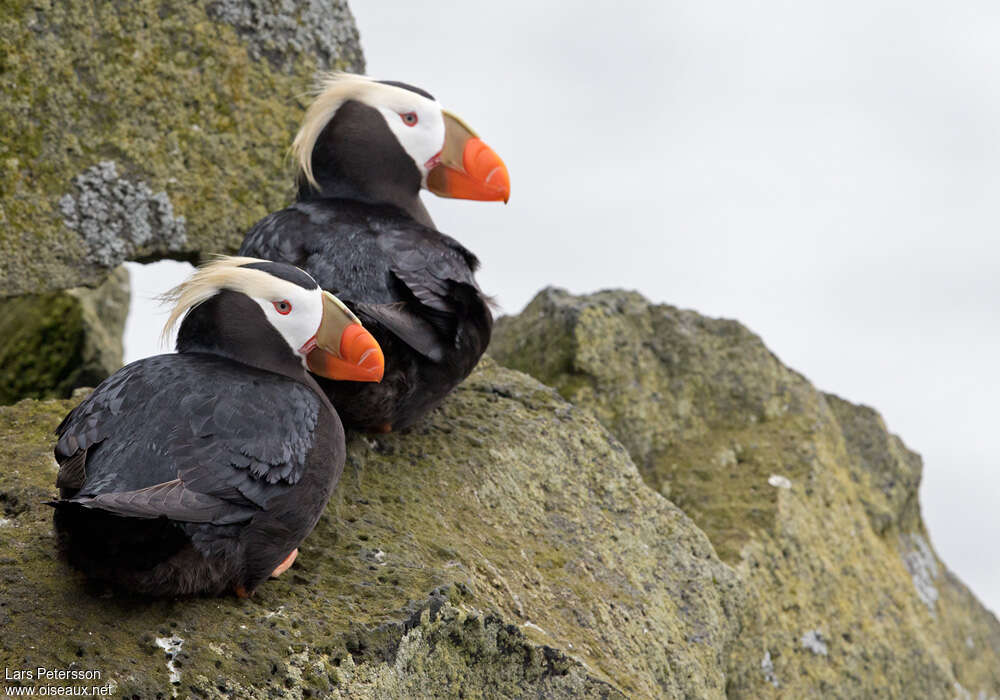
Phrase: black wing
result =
(192, 437)
(429, 263)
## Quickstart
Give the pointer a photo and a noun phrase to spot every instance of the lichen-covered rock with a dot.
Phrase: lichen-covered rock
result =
(281, 31)
(52, 343)
(506, 547)
(149, 128)
(806, 495)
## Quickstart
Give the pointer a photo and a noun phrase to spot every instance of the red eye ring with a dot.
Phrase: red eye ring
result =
(283, 307)
(409, 118)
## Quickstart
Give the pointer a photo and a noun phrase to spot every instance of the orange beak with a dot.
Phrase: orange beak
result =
(467, 168)
(343, 348)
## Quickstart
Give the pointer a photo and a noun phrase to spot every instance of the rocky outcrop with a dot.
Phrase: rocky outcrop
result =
(686, 517)
(506, 547)
(149, 129)
(510, 546)
(52, 343)
(807, 496)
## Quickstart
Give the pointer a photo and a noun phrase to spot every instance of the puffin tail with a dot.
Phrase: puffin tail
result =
(98, 542)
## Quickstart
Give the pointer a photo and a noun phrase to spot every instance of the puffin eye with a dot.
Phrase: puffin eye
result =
(409, 118)
(282, 307)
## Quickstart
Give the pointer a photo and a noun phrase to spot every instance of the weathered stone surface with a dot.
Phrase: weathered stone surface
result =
(806, 495)
(506, 547)
(52, 343)
(282, 31)
(149, 129)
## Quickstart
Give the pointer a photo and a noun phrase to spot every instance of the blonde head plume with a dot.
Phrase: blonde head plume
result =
(333, 90)
(225, 272)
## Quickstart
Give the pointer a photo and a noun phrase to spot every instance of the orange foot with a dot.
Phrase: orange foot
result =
(384, 428)
(242, 592)
(283, 566)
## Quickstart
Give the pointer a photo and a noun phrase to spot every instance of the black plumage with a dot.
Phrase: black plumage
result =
(360, 229)
(201, 471)
(412, 287)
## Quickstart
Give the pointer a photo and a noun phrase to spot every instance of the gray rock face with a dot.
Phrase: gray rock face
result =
(807, 496)
(281, 30)
(880, 458)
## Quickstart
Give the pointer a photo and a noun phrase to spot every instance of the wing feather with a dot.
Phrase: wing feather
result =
(72, 471)
(191, 437)
(173, 500)
(408, 326)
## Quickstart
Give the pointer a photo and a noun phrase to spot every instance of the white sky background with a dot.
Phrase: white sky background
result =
(826, 173)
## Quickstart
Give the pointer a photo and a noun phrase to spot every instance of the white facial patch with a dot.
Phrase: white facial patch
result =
(421, 141)
(303, 317)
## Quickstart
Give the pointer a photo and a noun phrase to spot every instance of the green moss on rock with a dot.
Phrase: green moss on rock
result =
(52, 343)
(43, 343)
(806, 495)
(505, 547)
(149, 128)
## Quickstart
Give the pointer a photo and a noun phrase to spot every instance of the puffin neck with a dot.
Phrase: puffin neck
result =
(233, 326)
(332, 185)
(339, 189)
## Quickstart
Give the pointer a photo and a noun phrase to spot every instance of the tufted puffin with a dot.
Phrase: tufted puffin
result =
(364, 151)
(202, 471)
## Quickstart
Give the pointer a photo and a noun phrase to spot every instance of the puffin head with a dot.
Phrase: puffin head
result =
(387, 140)
(272, 315)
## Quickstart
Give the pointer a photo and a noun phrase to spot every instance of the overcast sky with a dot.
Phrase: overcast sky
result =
(826, 173)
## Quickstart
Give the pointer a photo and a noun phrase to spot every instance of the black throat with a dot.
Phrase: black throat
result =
(358, 157)
(234, 326)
